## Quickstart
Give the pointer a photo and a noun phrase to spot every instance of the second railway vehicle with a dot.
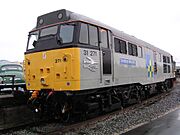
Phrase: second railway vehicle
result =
(74, 64)
(7, 71)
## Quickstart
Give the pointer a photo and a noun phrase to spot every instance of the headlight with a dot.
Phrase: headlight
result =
(36, 110)
(60, 16)
(43, 81)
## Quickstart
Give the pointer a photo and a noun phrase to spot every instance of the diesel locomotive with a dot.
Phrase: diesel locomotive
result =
(76, 65)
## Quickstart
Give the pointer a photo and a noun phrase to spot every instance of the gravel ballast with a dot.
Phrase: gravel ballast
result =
(126, 121)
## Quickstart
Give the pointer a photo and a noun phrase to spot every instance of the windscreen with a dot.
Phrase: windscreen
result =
(11, 68)
(33, 37)
(51, 37)
(49, 31)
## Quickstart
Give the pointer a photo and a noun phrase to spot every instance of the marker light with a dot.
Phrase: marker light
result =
(60, 15)
(41, 21)
(36, 110)
(42, 81)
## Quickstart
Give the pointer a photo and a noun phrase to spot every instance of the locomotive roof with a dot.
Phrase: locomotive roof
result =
(65, 15)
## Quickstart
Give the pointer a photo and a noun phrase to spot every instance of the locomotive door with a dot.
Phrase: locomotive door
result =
(106, 56)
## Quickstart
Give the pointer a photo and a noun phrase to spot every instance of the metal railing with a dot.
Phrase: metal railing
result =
(4, 85)
(14, 86)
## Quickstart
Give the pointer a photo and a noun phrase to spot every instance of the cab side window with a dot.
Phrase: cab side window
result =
(93, 35)
(66, 33)
(104, 38)
(88, 34)
(83, 33)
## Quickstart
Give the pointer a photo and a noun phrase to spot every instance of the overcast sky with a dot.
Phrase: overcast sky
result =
(154, 21)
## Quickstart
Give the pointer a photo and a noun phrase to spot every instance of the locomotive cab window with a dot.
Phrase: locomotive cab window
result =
(88, 34)
(120, 46)
(93, 35)
(83, 38)
(66, 33)
(104, 38)
(49, 31)
(33, 37)
(51, 37)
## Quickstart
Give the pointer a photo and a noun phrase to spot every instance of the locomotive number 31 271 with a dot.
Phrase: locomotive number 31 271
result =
(90, 53)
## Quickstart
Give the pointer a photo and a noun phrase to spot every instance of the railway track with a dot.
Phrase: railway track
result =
(90, 122)
(75, 126)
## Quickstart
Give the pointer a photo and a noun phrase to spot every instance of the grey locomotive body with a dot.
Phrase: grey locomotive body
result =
(123, 60)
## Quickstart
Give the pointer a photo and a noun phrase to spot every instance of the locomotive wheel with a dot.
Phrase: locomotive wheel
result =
(142, 95)
(62, 112)
(138, 98)
(37, 117)
(65, 117)
(35, 105)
